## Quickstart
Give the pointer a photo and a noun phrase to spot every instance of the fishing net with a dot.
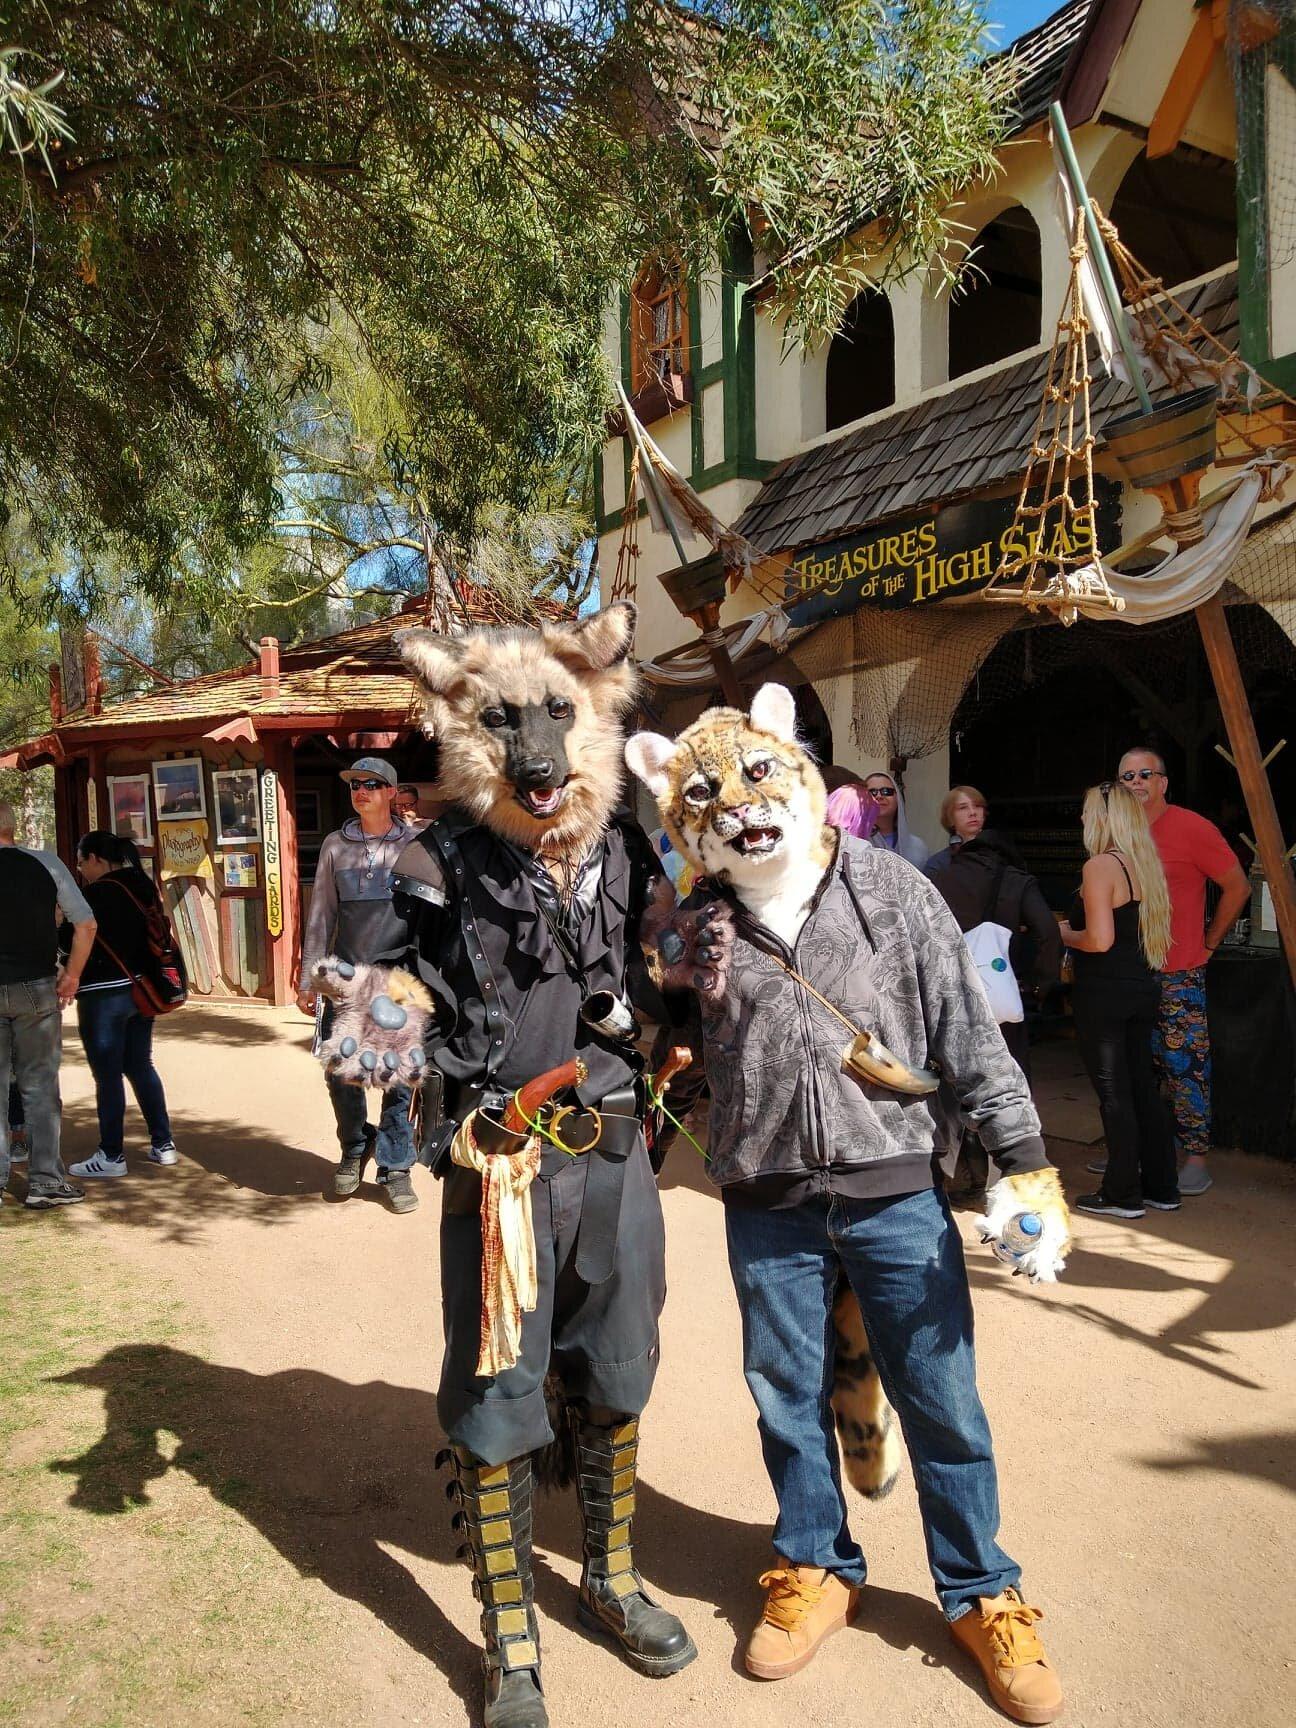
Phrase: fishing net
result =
(1262, 60)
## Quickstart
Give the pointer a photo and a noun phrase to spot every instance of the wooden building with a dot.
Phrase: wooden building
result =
(228, 784)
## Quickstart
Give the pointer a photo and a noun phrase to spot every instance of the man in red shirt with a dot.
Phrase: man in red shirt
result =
(1193, 852)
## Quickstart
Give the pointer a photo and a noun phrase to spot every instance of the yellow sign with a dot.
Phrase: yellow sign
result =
(182, 849)
(270, 851)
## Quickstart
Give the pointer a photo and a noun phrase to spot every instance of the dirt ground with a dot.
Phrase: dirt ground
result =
(221, 1506)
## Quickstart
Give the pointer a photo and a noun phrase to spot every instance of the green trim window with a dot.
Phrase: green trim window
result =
(659, 331)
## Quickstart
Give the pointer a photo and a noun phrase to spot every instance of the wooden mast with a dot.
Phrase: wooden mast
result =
(1180, 502)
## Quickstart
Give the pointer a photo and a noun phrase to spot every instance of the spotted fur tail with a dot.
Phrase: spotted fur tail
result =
(866, 1428)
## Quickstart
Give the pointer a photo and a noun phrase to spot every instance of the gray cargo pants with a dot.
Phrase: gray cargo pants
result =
(31, 1048)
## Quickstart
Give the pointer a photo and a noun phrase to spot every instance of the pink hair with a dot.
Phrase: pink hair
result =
(852, 810)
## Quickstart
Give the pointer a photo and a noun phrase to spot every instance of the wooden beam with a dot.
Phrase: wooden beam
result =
(708, 622)
(284, 951)
(1186, 83)
(1227, 675)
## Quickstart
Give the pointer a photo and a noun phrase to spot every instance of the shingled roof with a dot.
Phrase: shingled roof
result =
(962, 441)
(355, 677)
(1040, 56)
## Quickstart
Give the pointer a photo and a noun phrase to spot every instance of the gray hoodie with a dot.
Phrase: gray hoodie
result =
(786, 1117)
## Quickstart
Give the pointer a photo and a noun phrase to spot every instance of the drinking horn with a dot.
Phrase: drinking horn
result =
(868, 1058)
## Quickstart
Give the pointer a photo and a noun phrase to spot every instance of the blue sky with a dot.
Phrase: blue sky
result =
(1011, 17)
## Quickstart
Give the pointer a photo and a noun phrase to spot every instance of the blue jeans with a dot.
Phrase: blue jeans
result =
(904, 1259)
(394, 1149)
(31, 1048)
(118, 1043)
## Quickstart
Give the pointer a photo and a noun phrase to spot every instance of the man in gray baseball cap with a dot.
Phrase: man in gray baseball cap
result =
(370, 768)
(352, 917)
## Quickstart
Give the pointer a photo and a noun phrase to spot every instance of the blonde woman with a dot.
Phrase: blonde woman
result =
(1119, 934)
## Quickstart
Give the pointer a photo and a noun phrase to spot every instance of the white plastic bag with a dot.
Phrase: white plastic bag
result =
(988, 946)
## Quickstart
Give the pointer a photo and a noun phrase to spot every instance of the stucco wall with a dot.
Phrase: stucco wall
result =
(789, 380)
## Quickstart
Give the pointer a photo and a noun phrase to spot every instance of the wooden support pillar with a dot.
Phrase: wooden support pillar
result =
(67, 829)
(100, 816)
(708, 622)
(284, 949)
(1245, 746)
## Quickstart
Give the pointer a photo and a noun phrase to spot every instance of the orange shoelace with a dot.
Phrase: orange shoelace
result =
(790, 1598)
(1012, 1632)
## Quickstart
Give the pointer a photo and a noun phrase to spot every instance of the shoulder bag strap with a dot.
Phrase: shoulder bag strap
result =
(110, 877)
(115, 957)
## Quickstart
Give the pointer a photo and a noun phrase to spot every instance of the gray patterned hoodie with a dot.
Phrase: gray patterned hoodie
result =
(786, 1119)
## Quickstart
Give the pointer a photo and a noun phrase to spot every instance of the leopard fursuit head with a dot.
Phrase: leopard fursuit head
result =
(744, 803)
(529, 724)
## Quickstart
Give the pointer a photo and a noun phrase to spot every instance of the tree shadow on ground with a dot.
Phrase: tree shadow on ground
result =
(332, 1474)
(240, 1025)
(226, 1170)
(1269, 1457)
(1255, 1293)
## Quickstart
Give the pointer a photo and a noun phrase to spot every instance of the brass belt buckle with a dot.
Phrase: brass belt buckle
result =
(555, 1129)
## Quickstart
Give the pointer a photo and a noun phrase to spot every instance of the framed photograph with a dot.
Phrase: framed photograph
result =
(238, 815)
(307, 812)
(128, 801)
(240, 869)
(179, 790)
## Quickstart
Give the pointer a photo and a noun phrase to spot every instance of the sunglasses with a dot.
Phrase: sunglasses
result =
(1132, 774)
(881, 792)
(370, 786)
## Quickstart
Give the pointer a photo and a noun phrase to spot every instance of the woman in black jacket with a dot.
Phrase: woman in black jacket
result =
(983, 882)
(118, 1039)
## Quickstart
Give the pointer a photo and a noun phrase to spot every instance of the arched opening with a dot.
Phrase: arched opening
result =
(813, 725)
(861, 361)
(1178, 213)
(996, 311)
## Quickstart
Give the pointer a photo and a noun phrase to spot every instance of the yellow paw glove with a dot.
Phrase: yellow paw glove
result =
(1040, 1192)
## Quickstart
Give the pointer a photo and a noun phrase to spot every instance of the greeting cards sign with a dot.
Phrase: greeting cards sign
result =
(270, 847)
(182, 849)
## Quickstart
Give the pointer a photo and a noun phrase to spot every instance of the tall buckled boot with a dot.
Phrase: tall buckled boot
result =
(495, 1516)
(613, 1600)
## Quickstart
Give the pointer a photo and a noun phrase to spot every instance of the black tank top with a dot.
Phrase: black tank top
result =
(1124, 961)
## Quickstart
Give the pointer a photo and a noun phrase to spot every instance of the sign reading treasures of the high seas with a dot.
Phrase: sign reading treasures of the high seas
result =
(955, 550)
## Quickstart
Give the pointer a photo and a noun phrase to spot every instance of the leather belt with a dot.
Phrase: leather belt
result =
(602, 1135)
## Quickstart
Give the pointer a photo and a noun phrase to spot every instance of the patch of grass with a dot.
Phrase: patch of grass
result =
(129, 1591)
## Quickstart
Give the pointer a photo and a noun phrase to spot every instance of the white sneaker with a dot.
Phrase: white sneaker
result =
(99, 1165)
(17, 1148)
(164, 1154)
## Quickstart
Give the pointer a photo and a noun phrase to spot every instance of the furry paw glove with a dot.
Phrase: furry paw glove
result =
(381, 1017)
(687, 950)
(1040, 1192)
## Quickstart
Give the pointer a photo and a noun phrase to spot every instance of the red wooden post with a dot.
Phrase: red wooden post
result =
(284, 947)
(66, 833)
(101, 815)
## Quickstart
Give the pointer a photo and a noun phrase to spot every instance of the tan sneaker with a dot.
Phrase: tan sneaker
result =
(1002, 1637)
(803, 1605)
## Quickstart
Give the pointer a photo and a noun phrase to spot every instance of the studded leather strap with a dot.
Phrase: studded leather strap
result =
(495, 1516)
